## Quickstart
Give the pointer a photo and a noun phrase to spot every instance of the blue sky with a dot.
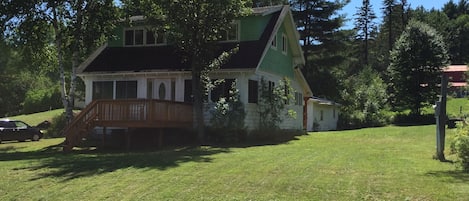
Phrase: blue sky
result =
(351, 8)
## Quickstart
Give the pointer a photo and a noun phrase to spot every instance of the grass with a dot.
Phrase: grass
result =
(36, 118)
(389, 163)
(458, 107)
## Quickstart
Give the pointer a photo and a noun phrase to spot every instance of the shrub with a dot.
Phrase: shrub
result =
(57, 126)
(227, 120)
(39, 100)
(460, 147)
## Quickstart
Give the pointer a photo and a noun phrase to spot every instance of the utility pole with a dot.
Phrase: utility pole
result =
(441, 118)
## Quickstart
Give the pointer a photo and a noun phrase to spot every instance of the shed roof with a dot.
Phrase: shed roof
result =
(456, 68)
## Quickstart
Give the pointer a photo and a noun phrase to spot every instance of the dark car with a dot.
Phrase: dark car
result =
(18, 130)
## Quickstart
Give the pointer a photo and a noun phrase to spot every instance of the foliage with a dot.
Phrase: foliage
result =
(195, 27)
(75, 28)
(42, 99)
(58, 124)
(366, 27)
(227, 118)
(319, 24)
(460, 147)
(365, 100)
(416, 64)
(273, 103)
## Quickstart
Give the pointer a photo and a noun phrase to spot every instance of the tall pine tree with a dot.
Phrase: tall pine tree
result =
(365, 26)
(319, 25)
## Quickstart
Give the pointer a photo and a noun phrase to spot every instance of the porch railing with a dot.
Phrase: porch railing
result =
(130, 113)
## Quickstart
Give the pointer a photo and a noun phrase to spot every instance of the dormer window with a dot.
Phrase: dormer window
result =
(232, 33)
(143, 37)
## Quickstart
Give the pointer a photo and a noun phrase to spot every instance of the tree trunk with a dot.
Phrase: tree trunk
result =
(198, 102)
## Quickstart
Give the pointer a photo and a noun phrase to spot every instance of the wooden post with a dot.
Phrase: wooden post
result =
(441, 118)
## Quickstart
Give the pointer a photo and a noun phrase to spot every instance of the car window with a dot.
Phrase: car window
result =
(19, 124)
(7, 124)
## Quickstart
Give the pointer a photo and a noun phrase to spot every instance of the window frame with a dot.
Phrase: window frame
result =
(226, 33)
(157, 41)
(253, 91)
(284, 44)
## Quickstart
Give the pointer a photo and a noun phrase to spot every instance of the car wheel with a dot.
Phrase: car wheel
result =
(35, 137)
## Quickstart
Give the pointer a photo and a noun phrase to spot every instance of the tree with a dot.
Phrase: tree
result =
(78, 26)
(322, 40)
(364, 100)
(260, 3)
(417, 60)
(195, 27)
(365, 26)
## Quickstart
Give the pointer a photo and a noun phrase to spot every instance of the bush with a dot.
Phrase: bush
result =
(57, 126)
(460, 147)
(39, 100)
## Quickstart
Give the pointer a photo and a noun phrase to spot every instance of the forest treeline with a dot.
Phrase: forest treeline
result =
(378, 69)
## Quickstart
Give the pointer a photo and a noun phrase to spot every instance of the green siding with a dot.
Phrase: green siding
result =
(117, 40)
(277, 62)
(252, 27)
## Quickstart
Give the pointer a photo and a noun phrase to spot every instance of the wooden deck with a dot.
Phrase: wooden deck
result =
(143, 113)
(129, 113)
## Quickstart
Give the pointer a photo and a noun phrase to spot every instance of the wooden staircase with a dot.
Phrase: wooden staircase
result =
(129, 113)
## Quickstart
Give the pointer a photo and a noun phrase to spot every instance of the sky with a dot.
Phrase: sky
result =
(351, 8)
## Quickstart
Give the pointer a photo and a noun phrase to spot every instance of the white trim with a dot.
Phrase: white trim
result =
(274, 42)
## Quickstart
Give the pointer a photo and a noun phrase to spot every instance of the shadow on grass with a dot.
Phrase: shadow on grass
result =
(85, 163)
(451, 176)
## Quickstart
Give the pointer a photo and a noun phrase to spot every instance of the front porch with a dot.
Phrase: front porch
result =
(128, 113)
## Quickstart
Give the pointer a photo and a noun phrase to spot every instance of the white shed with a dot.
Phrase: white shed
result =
(322, 114)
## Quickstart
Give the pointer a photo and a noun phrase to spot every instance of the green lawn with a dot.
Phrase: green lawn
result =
(36, 118)
(390, 163)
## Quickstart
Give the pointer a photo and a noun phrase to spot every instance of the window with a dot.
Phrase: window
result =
(274, 42)
(188, 97)
(103, 90)
(149, 89)
(173, 90)
(253, 90)
(129, 37)
(333, 113)
(231, 34)
(162, 91)
(222, 90)
(138, 37)
(284, 44)
(298, 98)
(143, 37)
(126, 89)
(322, 115)
(271, 89)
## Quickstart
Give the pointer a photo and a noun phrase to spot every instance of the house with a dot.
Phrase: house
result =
(457, 79)
(322, 114)
(138, 80)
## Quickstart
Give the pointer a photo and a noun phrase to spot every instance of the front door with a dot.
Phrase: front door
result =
(163, 89)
